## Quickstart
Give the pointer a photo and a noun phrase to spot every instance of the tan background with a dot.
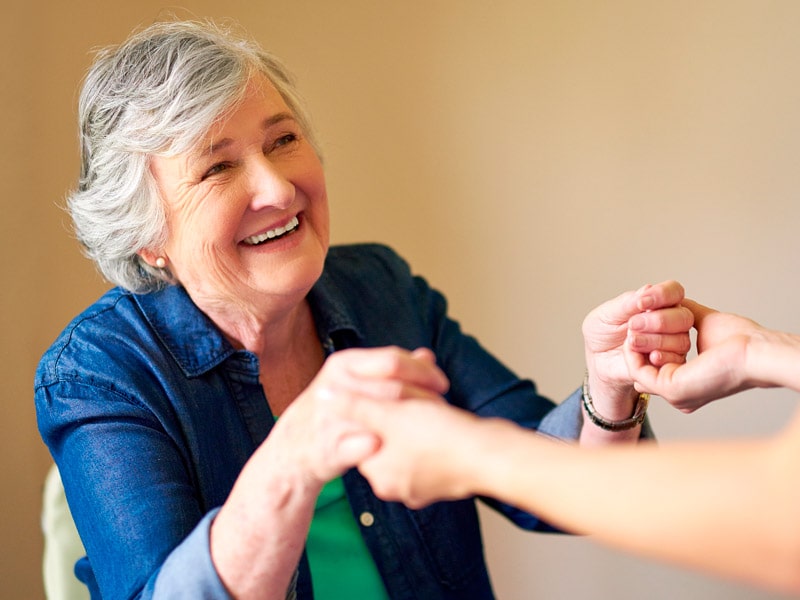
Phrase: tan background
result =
(530, 158)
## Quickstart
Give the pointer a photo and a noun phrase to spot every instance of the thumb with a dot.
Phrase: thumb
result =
(699, 311)
(356, 447)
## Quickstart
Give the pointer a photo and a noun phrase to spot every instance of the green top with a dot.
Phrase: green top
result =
(341, 565)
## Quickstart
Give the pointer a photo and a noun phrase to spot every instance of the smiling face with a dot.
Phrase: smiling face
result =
(247, 211)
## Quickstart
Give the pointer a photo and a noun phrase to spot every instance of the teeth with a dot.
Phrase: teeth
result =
(272, 233)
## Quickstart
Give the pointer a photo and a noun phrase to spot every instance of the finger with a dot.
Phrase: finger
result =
(417, 367)
(686, 386)
(379, 389)
(384, 487)
(699, 311)
(391, 363)
(370, 414)
(662, 295)
(668, 320)
(645, 343)
(644, 374)
(638, 364)
(648, 297)
(659, 358)
(357, 447)
(424, 354)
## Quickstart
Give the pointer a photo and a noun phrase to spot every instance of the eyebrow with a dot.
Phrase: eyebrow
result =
(225, 142)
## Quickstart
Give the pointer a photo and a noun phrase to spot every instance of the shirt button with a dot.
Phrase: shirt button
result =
(366, 519)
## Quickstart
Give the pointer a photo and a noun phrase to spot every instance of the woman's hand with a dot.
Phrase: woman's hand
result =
(258, 535)
(654, 323)
(429, 450)
(315, 433)
(728, 354)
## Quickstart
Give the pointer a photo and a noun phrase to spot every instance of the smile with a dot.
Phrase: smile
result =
(272, 234)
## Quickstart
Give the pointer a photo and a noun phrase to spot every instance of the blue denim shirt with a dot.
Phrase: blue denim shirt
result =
(150, 414)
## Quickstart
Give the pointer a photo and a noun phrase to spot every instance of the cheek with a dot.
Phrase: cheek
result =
(313, 186)
(321, 217)
(195, 233)
(313, 177)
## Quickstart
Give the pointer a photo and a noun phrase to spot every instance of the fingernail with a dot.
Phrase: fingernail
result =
(646, 302)
(636, 322)
(634, 341)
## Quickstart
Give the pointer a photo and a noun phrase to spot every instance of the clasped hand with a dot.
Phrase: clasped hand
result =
(332, 425)
(721, 367)
(653, 322)
(317, 434)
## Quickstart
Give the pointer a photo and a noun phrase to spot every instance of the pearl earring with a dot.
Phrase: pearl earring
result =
(161, 262)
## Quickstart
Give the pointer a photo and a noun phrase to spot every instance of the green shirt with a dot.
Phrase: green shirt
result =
(341, 565)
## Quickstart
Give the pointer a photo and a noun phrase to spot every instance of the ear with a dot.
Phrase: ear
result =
(150, 257)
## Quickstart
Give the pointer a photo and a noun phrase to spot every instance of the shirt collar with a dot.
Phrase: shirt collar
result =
(197, 344)
(192, 339)
(335, 312)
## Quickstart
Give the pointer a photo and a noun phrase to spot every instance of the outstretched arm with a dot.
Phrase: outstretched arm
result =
(729, 508)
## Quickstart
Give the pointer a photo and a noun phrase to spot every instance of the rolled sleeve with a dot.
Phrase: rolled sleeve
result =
(189, 573)
(566, 420)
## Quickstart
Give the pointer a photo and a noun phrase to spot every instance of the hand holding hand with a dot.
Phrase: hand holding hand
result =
(720, 369)
(654, 322)
(316, 434)
(427, 450)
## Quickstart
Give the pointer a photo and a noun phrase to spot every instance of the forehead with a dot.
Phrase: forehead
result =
(260, 90)
(259, 103)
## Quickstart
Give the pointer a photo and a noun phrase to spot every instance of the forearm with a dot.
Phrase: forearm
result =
(773, 358)
(259, 534)
(731, 508)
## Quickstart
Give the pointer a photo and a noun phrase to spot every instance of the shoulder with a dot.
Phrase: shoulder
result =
(101, 330)
(361, 259)
(372, 288)
(367, 269)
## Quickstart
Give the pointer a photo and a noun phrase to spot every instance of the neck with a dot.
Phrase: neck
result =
(274, 336)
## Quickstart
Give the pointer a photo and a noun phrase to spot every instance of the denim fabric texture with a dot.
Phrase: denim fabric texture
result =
(150, 414)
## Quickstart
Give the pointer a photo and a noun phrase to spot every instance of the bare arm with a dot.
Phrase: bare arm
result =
(728, 508)
(259, 533)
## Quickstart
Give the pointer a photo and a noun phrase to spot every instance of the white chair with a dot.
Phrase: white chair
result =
(62, 545)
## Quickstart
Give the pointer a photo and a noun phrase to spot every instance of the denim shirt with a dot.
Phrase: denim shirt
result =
(150, 415)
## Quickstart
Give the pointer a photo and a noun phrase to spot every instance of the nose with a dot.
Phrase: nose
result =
(269, 185)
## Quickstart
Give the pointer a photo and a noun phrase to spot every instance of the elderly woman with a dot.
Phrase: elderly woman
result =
(198, 411)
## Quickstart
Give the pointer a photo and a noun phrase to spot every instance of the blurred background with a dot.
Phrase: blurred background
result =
(530, 158)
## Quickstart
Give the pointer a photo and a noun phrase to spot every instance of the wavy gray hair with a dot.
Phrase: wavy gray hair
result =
(157, 93)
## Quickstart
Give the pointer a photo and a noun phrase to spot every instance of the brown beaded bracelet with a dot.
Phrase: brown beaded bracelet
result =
(638, 414)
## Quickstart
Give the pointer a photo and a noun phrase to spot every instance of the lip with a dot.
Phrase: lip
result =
(274, 227)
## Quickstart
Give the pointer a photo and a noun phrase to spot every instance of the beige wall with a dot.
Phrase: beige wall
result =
(532, 159)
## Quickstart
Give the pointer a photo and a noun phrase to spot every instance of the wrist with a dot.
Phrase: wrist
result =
(500, 463)
(628, 412)
(613, 400)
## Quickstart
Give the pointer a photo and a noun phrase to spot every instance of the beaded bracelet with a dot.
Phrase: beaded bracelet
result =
(638, 414)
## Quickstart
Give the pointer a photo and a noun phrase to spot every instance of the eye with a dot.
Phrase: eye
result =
(217, 168)
(284, 140)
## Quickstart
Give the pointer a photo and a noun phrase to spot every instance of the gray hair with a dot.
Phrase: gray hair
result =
(159, 92)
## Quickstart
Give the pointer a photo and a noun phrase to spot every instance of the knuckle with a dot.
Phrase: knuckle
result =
(335, 360)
